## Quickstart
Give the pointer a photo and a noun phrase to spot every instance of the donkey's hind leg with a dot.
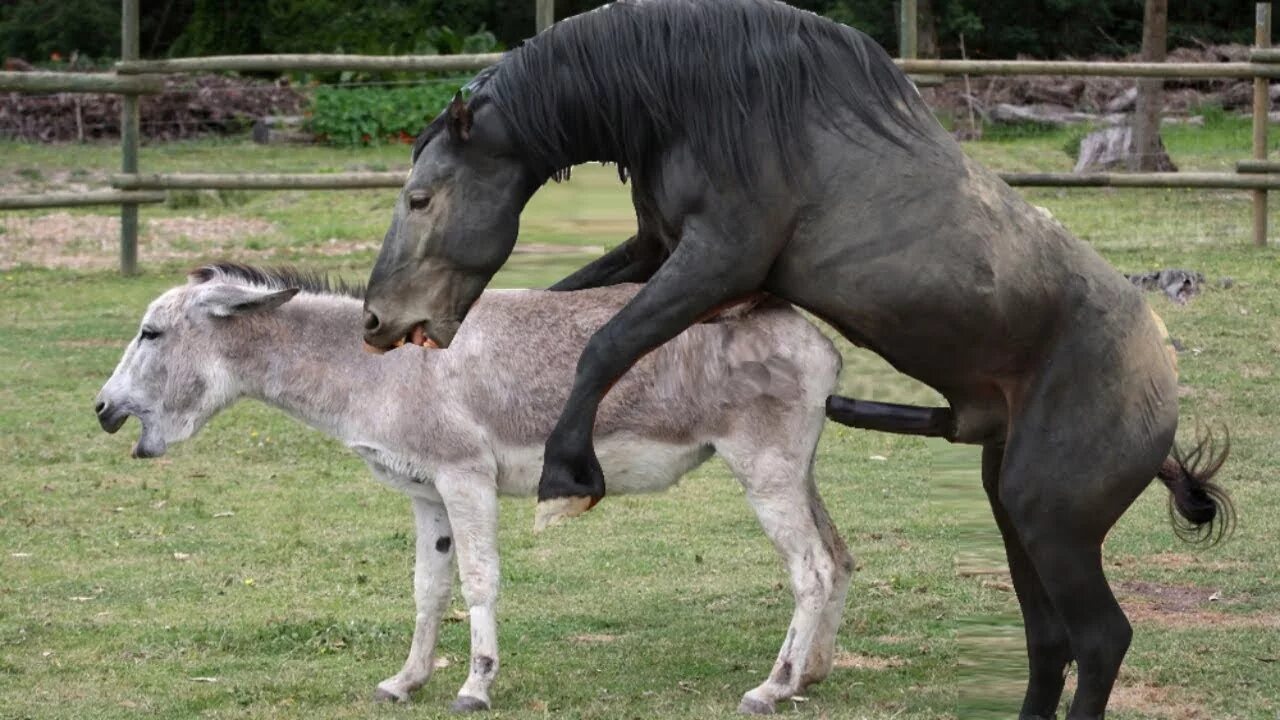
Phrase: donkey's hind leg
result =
(777, 489)
(432, 585)
(1048, 648)
(822, 654)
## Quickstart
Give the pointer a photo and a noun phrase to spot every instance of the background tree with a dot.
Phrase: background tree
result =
(1147, 148)
(992, 28)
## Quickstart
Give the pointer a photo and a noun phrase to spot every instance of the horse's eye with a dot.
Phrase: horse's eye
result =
(419, 200)
(149, 334)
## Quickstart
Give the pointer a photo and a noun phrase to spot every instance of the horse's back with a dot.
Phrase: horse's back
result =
(940, 267)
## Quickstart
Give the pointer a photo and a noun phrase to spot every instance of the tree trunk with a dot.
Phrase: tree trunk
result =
(1146, 120)
(927, 43)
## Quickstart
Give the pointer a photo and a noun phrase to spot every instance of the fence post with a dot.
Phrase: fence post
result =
(908, 30)
(129, 130)
(1261, 106)
(544, 14)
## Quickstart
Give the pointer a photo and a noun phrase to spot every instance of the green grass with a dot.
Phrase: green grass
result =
(298, 602)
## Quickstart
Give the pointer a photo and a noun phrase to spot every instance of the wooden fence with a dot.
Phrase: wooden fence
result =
(134, 77)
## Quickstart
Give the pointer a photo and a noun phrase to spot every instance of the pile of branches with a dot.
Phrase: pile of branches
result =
(191, 106)
(1102, 95)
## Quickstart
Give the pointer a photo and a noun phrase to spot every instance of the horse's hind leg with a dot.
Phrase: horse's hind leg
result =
(1080, 452)
(1048, 647)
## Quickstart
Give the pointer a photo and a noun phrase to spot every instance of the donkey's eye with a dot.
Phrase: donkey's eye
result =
(419, 200)
(149, 334)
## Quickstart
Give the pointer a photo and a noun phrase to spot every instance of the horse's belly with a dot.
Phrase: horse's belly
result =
(630, 465)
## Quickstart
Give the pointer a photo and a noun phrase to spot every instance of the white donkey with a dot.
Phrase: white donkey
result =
(453, 429)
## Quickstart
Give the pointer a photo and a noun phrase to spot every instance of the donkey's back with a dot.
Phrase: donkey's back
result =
(745, 379)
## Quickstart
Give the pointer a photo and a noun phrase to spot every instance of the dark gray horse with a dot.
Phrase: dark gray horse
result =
(772, 150)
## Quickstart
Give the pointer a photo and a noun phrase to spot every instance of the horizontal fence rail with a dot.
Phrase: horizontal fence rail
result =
(53, 82)
(1234, 70)
(1198, 180)
(1258, 166)
(314, 63)
(359, 180)
(78, 199)
(374, 63)
(259, 181)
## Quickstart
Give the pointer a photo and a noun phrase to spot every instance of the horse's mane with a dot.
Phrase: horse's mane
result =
(623, 81)
(277, 278)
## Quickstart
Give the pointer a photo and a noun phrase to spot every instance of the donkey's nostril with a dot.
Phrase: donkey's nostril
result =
(99, 408)
(371, 321)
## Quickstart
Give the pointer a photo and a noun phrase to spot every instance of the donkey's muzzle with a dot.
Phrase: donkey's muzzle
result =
(110, 417)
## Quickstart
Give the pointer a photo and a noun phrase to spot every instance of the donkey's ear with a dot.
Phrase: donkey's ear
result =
(459, 118)
(232, 300)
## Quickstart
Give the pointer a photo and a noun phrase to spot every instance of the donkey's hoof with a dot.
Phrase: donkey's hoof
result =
(752, 706)
(381, 694)
(468, 704)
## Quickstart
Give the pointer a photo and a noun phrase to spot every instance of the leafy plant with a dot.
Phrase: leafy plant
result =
(368, 115)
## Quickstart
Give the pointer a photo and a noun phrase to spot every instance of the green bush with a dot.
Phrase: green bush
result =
(368, 115)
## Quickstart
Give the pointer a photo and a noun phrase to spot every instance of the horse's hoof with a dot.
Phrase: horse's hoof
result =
(381, 694)
(557, 510)
(751, 706)
(468, 704)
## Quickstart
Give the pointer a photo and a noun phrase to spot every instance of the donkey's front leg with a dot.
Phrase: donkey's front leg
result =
(432, 584)
(472, 501)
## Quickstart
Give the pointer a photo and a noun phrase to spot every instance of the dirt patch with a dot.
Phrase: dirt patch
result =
(592, 639)
(548, 249)
(63, 240)
(1146, 699)
(1174, 561)
(858, 661)
(1154, 701)
(1185, 606)
(1167, 598)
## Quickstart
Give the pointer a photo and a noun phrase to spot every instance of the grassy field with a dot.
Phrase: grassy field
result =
(257, 571)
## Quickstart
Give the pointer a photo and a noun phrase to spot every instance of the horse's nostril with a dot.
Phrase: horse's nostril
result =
(371, 321)
(99, 408)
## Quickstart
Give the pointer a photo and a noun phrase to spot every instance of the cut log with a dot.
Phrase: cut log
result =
(1046, 113)
(1179, 285)
(282, 130)
(1111, 148)
(1124, 102)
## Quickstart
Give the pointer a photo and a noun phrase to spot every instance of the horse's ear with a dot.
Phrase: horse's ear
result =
(460, 118)
(232, 300)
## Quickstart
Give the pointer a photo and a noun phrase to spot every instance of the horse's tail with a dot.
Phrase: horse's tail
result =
(1207, 514)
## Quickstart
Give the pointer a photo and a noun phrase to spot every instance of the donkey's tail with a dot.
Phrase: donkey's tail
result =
(1207, 514)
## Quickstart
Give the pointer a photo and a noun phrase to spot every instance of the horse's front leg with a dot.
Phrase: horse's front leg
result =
(703, 274)
(432, 585)
(635, 260)
(471, 497)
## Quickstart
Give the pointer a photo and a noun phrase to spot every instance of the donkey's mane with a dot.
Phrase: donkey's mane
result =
(622, 82)
(279, 278)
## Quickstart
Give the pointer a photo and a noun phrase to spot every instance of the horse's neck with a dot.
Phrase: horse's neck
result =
(311, 365)
(582, 138)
